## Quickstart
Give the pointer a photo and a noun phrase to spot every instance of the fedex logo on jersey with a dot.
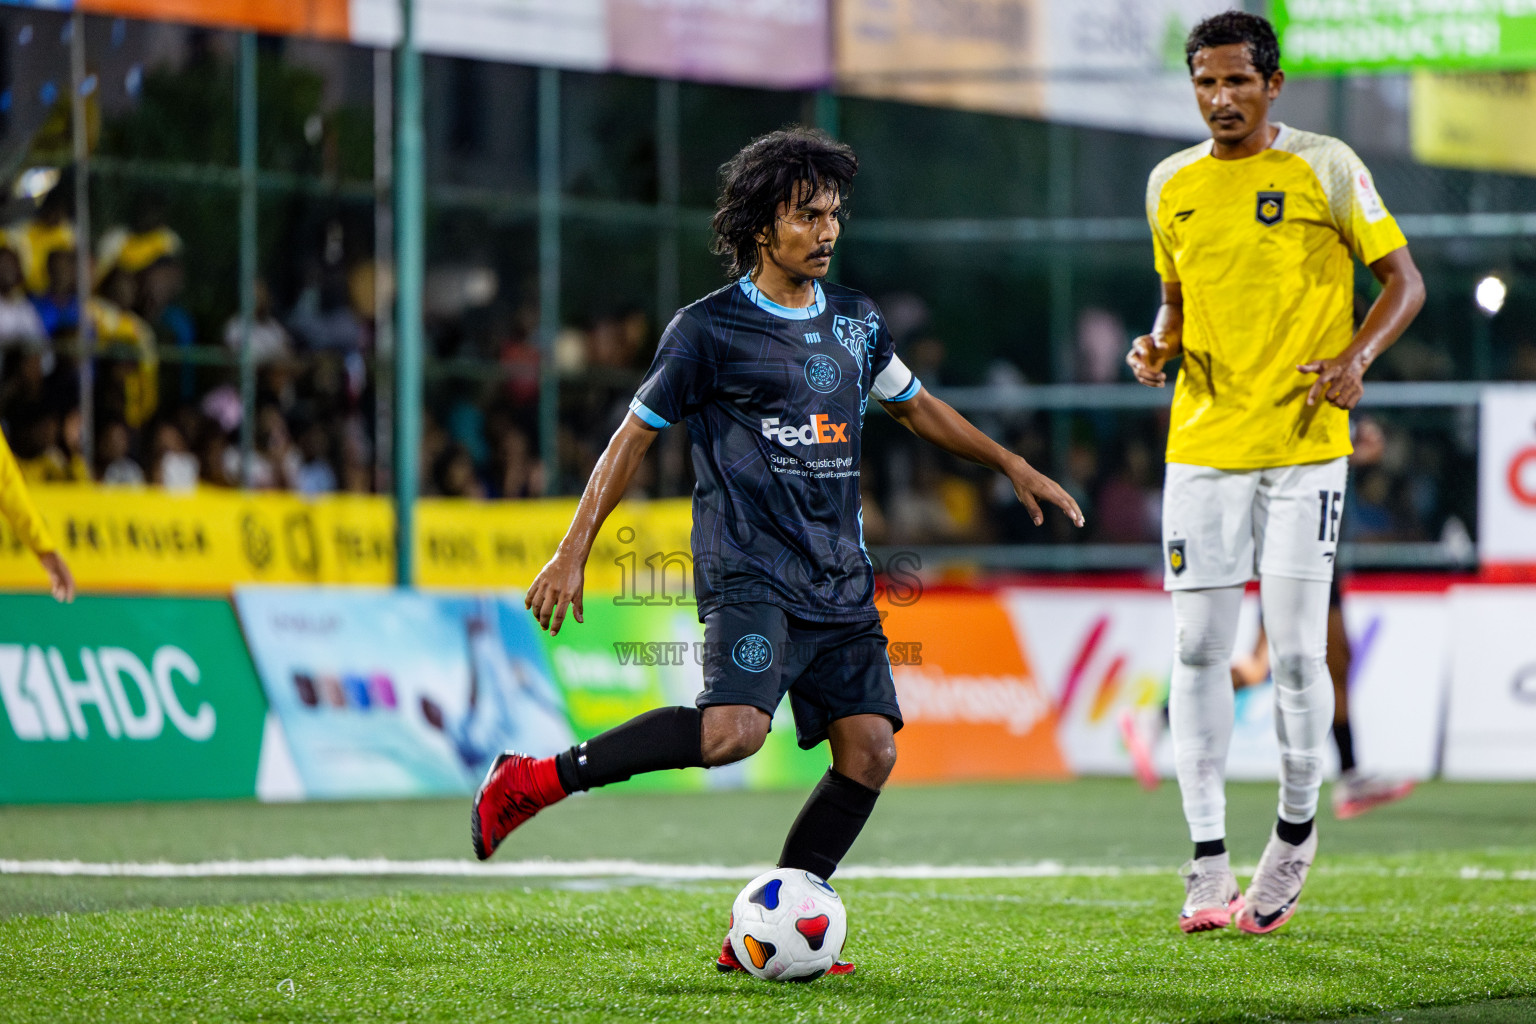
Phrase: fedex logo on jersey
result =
(820, 430)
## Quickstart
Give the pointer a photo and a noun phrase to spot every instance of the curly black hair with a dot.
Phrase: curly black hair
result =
(1230, 27)
(772, 169)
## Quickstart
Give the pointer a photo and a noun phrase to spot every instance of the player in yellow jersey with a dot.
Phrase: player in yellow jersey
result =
(1255, 234)
(16, 505)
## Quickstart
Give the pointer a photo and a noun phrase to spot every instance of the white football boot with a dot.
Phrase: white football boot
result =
(1276, 885)
(1211, 894)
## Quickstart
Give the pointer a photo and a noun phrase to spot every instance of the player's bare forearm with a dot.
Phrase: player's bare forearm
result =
(936, 422)
(1151, 352)
(1340, 379)
(559, 584)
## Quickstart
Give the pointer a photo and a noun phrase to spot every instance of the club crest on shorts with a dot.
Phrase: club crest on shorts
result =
(1271, 208)
(1176, 560)
(822, 374)
(752, 652)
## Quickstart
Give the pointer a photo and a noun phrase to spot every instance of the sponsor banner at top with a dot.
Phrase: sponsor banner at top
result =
(776, 43)
(1333, 36)
(1102, 63)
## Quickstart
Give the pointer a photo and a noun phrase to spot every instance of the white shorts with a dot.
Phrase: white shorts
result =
(1220, 528)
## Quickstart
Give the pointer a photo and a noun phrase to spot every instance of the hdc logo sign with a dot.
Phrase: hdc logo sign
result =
(1506, 473)
(46, 698)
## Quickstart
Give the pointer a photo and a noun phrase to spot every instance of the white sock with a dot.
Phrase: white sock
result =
(1296, 619)
(1200, 703)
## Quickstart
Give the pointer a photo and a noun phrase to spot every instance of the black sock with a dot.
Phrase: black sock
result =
(1344, 739)
(1292, 833)
(1210, 848)
(656, 740)
(828, 824)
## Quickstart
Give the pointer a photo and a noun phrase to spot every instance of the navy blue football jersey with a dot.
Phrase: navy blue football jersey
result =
(774, 400)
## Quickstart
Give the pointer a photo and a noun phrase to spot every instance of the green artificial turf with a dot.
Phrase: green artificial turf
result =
(1423, 912)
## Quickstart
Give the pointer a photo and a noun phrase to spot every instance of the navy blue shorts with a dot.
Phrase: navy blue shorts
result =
(754, 653)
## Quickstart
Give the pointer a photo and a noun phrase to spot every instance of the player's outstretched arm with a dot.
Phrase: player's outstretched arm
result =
(936, 422)
(558, 586)
(1151, 352)
(1341, 379)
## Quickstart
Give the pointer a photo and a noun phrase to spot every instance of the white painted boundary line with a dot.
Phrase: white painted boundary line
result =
(311, 867)
(338, 867)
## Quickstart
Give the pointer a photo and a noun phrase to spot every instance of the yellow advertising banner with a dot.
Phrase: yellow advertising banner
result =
(211, 540)
(980, 55)
(1475, 121)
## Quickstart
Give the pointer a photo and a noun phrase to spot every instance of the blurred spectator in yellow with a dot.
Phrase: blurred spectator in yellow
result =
(137, 247)
(129, 365)
(49, 452)
(48, 232)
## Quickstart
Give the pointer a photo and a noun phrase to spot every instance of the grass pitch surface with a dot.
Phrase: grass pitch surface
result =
(1424, 912)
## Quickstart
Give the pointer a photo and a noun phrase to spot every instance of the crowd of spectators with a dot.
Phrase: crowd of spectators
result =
(167, 405)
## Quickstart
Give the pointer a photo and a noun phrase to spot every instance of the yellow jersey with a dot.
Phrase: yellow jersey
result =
(1263, 248)
(16, 504)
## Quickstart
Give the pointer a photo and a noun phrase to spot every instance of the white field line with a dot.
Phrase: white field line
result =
(324, 867)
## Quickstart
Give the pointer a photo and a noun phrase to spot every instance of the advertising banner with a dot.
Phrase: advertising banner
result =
(1491, 725)
(323, 18)
(387, 693)
(553, 33)
(1102, 653)
(984, 55)
(778, 44)
(211, 540)
(125, 699)
(970, 694)
(1506, 476)
(1338, 36)
(1463, 121)
(1103, 63)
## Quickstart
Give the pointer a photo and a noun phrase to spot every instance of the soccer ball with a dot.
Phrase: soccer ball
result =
(788, 925)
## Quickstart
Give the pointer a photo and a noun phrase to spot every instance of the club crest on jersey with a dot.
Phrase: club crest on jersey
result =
(822, 374)
(1176, 560)
(857, 336)
(1271, 208)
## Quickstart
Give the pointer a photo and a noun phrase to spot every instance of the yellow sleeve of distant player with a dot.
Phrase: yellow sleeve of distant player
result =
(1362, 217)
(17, 505)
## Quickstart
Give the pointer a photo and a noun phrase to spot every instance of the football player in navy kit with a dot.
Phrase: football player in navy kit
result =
(771, 376)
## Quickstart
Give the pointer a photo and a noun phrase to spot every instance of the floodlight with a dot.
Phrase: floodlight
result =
(1490, 294)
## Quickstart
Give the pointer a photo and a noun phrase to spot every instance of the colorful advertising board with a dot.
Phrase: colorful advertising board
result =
(387, 693)
(1506, 474)
(1490, 729)
(125, 699)
(1338, 36)
(1100, 653)
(780, 44)
(212, 540)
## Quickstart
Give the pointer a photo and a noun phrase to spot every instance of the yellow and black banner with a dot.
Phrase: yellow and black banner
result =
(211, 540)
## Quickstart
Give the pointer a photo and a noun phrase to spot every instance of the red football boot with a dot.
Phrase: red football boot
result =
(727, 962)
(515, 789)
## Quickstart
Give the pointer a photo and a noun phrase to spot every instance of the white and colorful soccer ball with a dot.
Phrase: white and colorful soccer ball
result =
(788, 925)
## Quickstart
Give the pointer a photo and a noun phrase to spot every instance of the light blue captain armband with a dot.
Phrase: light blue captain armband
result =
(643, 411)
(896, 383)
